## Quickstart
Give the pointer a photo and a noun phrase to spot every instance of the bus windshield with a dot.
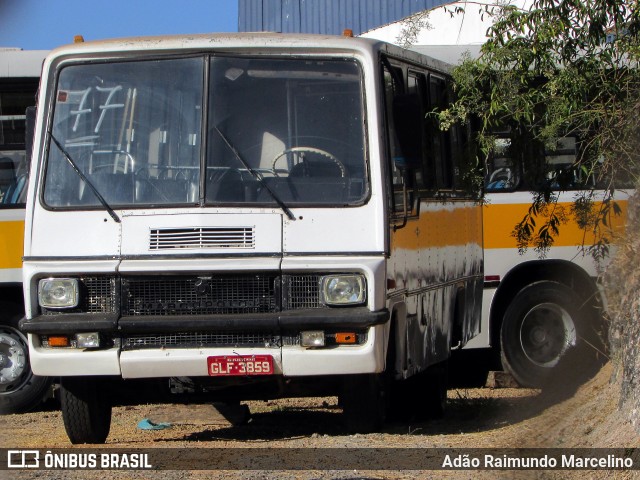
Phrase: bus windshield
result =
(262, 131)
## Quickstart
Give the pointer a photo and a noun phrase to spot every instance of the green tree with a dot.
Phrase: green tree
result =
(559, 68)
(411, 27)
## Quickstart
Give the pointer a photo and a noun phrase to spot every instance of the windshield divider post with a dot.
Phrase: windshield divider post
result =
(204, 138)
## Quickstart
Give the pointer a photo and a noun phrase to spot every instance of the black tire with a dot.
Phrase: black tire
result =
(420, 397)
(86, 408)
(435, 394)
(20, 390)
(469, 368)
(546, 328)
(363, 401)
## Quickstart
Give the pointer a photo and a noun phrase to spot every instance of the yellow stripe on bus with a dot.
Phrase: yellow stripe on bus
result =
(11, 244)
(500, 220)
(444, 227)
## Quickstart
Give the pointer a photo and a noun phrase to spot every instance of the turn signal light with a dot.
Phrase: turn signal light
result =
(346, 338)
(58, 341)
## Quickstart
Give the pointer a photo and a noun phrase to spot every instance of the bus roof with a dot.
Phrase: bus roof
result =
(247, 42)
(452, 54)
(21, 63)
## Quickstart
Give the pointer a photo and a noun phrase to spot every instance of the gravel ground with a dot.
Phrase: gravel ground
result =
(475, 418)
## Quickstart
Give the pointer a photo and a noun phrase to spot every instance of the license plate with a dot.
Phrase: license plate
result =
(232, 365)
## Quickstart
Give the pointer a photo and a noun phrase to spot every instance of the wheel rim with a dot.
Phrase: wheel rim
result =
(547, 332)
(14, 360)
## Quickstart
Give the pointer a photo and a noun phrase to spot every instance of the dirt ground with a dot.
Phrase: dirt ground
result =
(585, 416)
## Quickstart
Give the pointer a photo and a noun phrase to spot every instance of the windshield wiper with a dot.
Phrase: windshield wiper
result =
(87, 182)
(257, 175)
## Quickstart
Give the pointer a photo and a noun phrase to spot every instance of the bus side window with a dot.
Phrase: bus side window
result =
(562, 171)
(7, 176)
(425, 176)
(502, 173)
(441, 141)
(392, 88)
(15, 96)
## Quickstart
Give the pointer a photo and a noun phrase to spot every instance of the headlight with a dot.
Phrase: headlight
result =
(58, 292)
(343, 289)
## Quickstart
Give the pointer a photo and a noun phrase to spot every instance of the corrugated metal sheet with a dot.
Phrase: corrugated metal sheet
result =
(325, 16)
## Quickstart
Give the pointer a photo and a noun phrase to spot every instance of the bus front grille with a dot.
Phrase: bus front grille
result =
(219, 294)
(230, 339)
(213, 295)
(203, 340)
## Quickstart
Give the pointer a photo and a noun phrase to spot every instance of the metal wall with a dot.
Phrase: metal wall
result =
(325, 16)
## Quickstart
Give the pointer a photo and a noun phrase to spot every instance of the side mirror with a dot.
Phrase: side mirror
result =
(408, 122)
(30, 127)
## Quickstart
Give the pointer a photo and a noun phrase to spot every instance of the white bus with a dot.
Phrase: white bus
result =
(20, 390)
(543, 313)
(248, 216)
(539, 311)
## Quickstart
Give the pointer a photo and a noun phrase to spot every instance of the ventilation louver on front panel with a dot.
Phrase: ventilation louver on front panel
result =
(202, 237)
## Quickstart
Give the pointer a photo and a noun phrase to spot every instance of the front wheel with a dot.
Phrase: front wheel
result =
(86, 409)
(20, 390)
(420, 397)
(363, 401)
(544, 327)
(436, 394)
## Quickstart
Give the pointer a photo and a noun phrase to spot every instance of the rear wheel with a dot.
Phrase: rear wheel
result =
(86, 409)
(546, 327)
(20, 390)
(363, 401)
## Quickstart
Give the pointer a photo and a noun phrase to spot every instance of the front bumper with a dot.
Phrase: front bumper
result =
(357, 318)
(289, 360)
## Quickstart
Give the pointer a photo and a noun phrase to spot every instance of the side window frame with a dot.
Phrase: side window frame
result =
(394, 83)
(441, 140)
(425, 177)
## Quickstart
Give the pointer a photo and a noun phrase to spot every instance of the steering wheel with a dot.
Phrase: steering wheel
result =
(117, 167)
(501, 178)
(318, 151)
(181, 173)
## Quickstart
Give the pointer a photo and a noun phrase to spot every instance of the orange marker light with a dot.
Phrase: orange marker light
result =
(58, 341)
(346, 338)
